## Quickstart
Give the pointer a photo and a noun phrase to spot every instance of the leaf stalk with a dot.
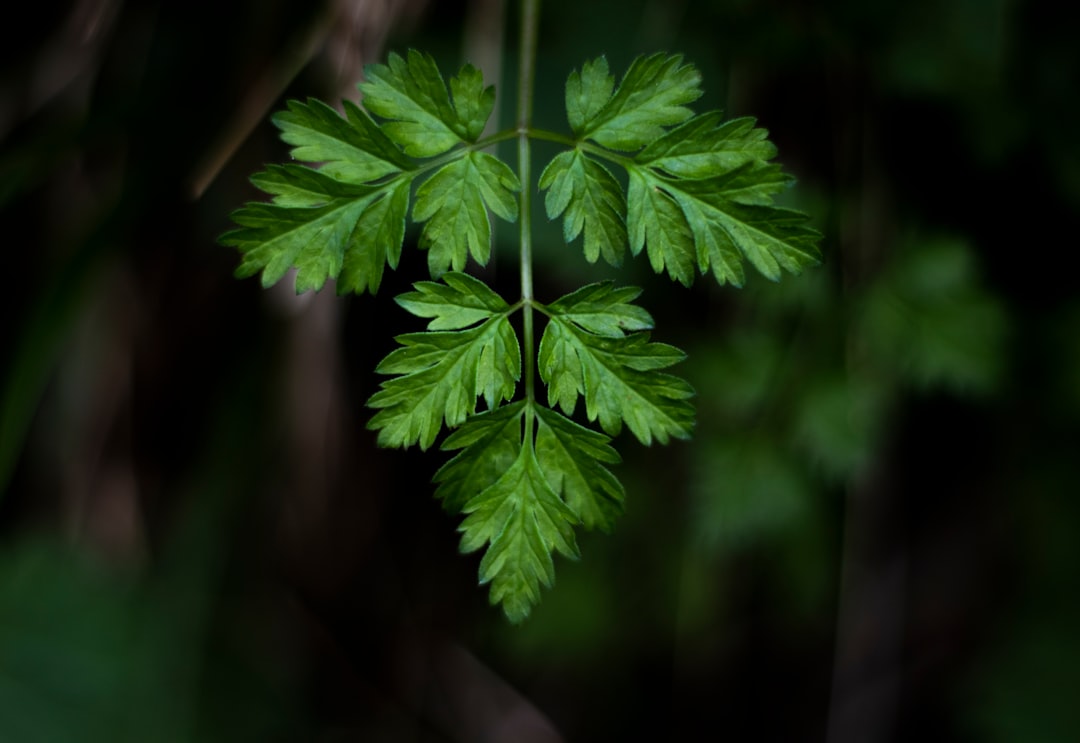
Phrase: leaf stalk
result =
(530, 21)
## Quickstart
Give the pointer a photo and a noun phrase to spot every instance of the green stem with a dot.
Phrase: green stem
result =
(549, 136)
(530, 20)
(515, 133)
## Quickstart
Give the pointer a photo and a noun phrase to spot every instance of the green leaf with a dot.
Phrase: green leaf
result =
(376, 241)
(454, 203)
(604, 309)
(587, 93)
(523, 521)
(523, 499)
(472, 101)
(718, 222)
(655, 220)
(704, 147)
(333, 221)
(619, 378)
(489, 443)
(752, 184)
(300, 186)
(457, 302)
(499, 481)
(348, 217)
(411, 94)
(650, 97)
(351, 149)
(700, 194)
(700, 197)
(355, 228)
(591, 199)
(771, 238)
(573, 458)
(275, 238)
(441, 374)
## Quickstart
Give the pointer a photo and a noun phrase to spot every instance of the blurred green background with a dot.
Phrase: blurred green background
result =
(874, 535)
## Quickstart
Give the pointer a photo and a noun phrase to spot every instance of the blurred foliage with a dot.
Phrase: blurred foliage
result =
(280, 578)
(800, 393)
(89, 655)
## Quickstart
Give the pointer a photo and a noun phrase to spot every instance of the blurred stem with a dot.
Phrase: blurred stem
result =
(484, 28)
(867, 679)
(530, 20)
(38, 349)
(262, 93)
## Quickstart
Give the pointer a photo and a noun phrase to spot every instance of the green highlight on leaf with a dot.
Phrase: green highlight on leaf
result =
(489, 444)
(377, 240)
(301, 186)
(726, 229)
(587, 93)
(473, 102)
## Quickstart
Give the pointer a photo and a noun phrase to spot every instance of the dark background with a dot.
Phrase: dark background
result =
(872, 537)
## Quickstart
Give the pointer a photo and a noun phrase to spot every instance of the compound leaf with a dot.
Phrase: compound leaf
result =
(345, 220)
(700, 197)
(700, 189)
(454, 203)
(591, 199)
(350, 214)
